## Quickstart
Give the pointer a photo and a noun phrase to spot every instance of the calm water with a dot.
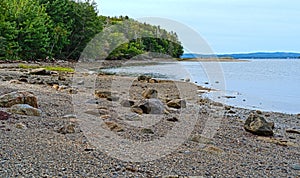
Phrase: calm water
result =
(270, 85)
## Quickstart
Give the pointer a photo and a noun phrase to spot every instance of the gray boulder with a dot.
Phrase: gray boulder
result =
(25, 109)
(151, 106)
(257, 125)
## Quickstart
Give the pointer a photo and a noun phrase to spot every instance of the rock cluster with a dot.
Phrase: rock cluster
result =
(22, 103)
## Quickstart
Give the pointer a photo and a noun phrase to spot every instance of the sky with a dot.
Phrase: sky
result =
(227, 26)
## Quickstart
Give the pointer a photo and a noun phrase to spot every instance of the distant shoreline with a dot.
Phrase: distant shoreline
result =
(213, 60)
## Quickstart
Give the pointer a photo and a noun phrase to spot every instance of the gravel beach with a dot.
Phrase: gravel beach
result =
(60, 142)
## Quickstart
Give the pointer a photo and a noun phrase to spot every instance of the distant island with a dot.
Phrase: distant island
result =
(258, 55)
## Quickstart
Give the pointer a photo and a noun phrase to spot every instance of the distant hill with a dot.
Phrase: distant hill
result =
(259, 55)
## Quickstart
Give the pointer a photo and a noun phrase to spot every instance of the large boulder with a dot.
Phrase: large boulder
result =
(22, 97)
(25, 109)
(258, 125)
(151, 106)
(150, 93)
(177, 103)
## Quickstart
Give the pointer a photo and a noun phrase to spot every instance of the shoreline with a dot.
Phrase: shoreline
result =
(213, 60)
(53, 152)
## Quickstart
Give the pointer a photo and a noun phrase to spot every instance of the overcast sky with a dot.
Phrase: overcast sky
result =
(226, 25)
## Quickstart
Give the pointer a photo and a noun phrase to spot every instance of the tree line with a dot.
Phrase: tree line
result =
(61, 29)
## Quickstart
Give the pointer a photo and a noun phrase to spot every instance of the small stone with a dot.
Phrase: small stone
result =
(25, 109)
(187, 80)
(61, 78)
(147, 131)
(4, 115)
(113, 98)
(103, 111)
(40, 71)
(15, 82)
(80, 83)
(200, 139)
(72, 91)
(173, 119)
(227, 108)
(23, 80)
(293, 131)
(104, 117)
(127, 103)
(67, 129)
(21, 126)
(113, 126)
(62, 87)
(55, 86)
(132, 117)
(258, 112)
(177, 103)
(92, 112)
(213, 149)
(231, 112)
(170, 176)
(296, 167)
(103, 94)
(150, 93)
(69, 116)
(137, 110)
(143, 78)
(153, 81)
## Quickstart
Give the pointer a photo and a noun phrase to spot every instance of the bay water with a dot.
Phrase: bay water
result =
(260, 84)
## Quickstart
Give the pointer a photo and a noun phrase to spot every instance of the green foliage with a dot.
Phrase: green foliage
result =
(140, 38)
(24, 29)
(61, 29)
(74, 25)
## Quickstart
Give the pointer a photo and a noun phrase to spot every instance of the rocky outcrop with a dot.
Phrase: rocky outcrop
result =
(258, 125)
(25, 109)
(14, 98)
(177, 103)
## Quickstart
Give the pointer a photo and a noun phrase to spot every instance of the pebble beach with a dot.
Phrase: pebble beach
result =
(55, 143)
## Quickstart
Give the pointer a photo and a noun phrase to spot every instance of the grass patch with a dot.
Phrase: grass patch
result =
(52, 68)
